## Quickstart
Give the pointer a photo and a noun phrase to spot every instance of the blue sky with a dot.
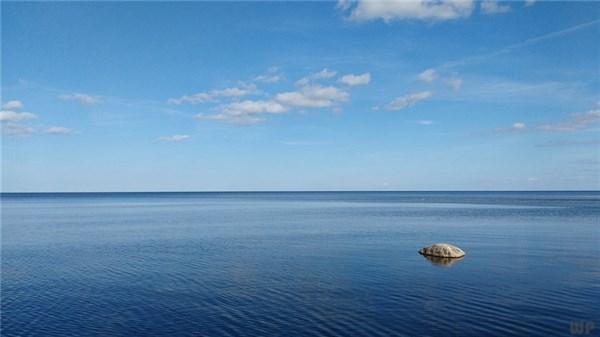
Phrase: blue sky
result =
(196, 96)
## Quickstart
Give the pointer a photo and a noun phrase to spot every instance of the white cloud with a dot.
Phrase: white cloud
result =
(323, 74)
(253, 107)
(493, 7)
(344, 4)
(577, 122)
(424, 122)
(211, 96)
(455, 83)
(12, 116)
(272, 76)
(409, 100)
(81, 98)
(516, 127)
(519, 126)
(245, 112)
(12, 129)
(174, 138)
(250, 112)
(428, 75)
(353, 80)
(366, 10)
(59, 130)
(529, 3)
(307, 95)
(10, 105)
(314, 96)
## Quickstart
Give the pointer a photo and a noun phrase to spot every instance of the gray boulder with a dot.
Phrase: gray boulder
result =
(442, 250)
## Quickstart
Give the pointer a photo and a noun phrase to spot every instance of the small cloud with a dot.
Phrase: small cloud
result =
(272, 76)
(366, 10)
(13, 129)
(424, 122)
(211, 96)
(12, 116)
(519, 126)
(529, 3)
(493, 7)
(245, 112)
(253, 107)
(409, 100)
(81, 98)
(428, 75)
(323, 74)
(59, 130)
(11, 105)
(175, 138)
(353, 80)
(516, 127)
(314, 96)
(455, 83)
(533, 179)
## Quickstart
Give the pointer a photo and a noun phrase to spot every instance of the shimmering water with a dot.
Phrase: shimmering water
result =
(299, 264)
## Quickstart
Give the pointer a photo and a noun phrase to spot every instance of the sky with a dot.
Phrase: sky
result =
(348, 95)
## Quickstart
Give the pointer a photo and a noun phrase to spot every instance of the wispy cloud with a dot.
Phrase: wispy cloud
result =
(80, 98)
(246, 112)
(12, 116)
(314, 96)
(576, 122)
(516, 127)
(424, 122)
(273, 75)
(212, 95)
(366, 10)
(428, 75)
(175, 138)
(579, 121)
(13, 129)
(353, 80)
(523, 44)
(11, 105)
(323, 74)
(490, 89)
(494, 7)
(455, 83)
(59, 130)
(571, 142)
(409, 100)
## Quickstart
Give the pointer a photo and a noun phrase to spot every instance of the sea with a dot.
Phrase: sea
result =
(299, 264)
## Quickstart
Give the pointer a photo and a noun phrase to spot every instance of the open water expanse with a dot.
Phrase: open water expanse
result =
(300, 264)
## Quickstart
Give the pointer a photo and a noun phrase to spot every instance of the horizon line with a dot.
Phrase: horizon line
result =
(287, 191)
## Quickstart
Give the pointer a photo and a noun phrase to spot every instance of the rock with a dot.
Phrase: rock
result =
(442, 250)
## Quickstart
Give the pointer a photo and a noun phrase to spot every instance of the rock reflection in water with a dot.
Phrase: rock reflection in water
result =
(443, 261)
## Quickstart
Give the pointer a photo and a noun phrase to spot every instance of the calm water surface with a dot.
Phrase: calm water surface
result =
(299, 264)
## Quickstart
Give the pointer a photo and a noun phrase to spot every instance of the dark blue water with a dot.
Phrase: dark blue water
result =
(299, 264)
